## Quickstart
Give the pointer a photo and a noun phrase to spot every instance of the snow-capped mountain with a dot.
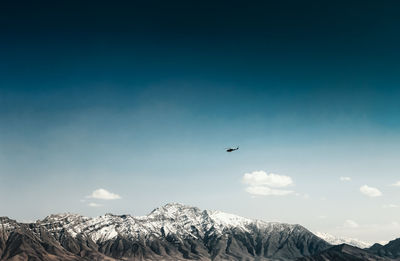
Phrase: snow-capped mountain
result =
(342, 240)
(171, 232)
(171, 219)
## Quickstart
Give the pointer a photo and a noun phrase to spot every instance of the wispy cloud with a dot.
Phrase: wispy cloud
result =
(350, 224)
(94, 205)
(370, 191)
(390, 206)
(351, 228)
(262, 184)
(103, 194)
(266, 191)
(396, 184)
(345, 179)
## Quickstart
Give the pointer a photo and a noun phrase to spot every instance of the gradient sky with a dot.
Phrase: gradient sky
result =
(141, 99)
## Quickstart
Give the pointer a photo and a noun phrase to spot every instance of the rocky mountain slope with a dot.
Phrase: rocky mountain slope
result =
(391, 249)
(344, 252)
(171, 232)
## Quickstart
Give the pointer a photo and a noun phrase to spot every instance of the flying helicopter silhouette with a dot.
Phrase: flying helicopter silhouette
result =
(231, 149)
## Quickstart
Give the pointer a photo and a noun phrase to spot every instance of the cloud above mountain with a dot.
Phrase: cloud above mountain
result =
(266, 191)
(345, 179)
(350, 224)
(370, 191)
(396, 184)
(94, 205)
(259, 183)
(390, 206)
(103, 194)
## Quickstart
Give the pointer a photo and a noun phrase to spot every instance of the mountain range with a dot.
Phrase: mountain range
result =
(170, 232)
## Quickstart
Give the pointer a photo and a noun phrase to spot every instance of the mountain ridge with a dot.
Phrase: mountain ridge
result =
(173, 232)
(170, 232)
(344, 252)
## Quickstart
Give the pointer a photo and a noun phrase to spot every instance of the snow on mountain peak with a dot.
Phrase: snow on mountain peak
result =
(226, 219)
(174, 210)
(173, 231)
(342, 240)
(63, 216)
(173, 218)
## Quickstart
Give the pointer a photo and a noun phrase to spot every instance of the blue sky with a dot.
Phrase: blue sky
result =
(142, 100)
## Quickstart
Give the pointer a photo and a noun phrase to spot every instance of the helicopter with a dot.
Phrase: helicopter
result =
(231, 149)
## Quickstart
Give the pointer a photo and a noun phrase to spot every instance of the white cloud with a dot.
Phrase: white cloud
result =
(266, 191)
(395, 224)
(397, 184)
(103, 194)
(94, 205)
(345, 179)
(350, 224)
(370, 191)
(370, 231)
(257, 178)
(305, 196)
(390, 206)
(262, 184)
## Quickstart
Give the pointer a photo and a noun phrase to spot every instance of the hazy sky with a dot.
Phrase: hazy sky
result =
(140, 100)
